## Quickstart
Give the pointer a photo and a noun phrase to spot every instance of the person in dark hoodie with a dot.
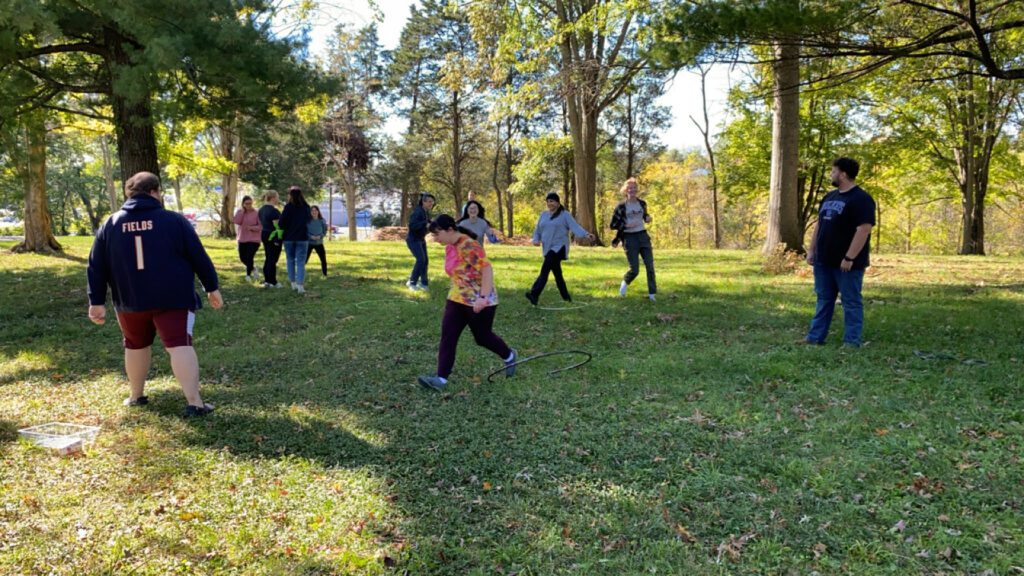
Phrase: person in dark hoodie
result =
(150, 257)
(416, 240)
(295, 222)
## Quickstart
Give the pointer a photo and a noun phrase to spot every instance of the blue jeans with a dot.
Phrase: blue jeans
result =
(419, 252)
(828, 283)
(295, 254)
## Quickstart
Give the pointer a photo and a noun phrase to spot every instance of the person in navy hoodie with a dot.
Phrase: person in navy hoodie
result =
(150, 257)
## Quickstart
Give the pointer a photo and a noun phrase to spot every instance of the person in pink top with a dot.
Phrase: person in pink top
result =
(247, 229)
(472, 300)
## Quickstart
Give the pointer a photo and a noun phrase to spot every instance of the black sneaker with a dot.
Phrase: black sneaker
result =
(533, 299)
(140, 401)
(197, 411)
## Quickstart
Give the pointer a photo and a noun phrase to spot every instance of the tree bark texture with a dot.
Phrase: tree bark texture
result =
(133, 118)
(230, 148)
(783, 203)
(108, 175)
(38, 221)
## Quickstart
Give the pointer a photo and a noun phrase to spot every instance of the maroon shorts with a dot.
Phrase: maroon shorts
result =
(174, 327)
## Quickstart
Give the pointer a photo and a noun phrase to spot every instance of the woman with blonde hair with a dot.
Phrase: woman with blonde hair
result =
(629, 222)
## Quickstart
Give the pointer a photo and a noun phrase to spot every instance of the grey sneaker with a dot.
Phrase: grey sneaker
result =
(300, 288)
(510, 365)
(432, 382)
(412, 286)
(424, 287)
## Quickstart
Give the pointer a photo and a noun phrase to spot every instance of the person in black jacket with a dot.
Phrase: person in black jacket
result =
(416, 240)
(149, 257)
(295, 222)
(270, 235)
(629, 222)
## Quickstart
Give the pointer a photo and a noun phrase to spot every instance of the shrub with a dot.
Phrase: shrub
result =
(781, 261)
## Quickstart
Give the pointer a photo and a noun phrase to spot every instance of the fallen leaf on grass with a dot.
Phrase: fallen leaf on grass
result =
(684, 534)
(899, 526)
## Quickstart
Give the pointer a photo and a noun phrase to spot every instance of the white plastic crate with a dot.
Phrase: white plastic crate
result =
(60, 436)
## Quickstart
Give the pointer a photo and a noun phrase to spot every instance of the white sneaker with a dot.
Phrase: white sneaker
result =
(300, 289)
(294, 285)
(412, 286)
(248, 278)
(622, 289)
(278, 285)
(423, 287)
(651, 296)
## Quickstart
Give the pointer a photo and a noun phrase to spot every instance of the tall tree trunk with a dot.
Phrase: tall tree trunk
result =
(456, 148)
(509, 158)
(176, 182)
(108, 175)
(230, 148)
(348, 181)
(38, 221)
(133, 119)
(783, 220)
(498, 152)
(582, 113)
(981, 113)
(705, 130)
(630, 144)
(94, 219)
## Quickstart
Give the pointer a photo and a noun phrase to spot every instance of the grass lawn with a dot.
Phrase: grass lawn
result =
(699, 440)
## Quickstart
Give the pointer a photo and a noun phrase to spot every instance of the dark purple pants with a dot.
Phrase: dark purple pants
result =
(456, 318)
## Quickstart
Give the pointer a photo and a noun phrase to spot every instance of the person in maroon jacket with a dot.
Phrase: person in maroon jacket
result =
(150, 257)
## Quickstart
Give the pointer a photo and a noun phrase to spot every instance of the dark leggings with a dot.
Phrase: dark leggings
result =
(456, 318)
(247, 254)
(552, 264)
(319, 249)
(272, 253)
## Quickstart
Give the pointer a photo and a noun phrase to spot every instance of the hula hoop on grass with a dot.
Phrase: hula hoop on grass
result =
(589, 357)
(362, 305)
(574, 306)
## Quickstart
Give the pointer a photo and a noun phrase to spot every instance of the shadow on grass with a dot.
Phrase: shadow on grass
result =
(244, 426)
(8, 431)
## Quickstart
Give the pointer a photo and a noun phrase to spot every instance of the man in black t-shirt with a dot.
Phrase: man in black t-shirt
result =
(840, 251)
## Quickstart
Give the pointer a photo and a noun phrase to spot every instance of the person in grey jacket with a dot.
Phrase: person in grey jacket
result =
(552, 235)
(317, 228)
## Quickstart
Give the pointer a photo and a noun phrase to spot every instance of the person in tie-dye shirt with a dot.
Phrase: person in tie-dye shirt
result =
(472, 300)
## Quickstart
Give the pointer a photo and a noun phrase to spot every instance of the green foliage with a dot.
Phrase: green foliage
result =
(699, 440)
